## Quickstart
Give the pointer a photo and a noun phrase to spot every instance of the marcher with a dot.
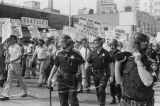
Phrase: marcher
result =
(29, 52)
(99, 59)
(68, 60)
(113, 44)
(14, 68)
(3, 72)
(85, 51)
(136, 73)
(41, 52)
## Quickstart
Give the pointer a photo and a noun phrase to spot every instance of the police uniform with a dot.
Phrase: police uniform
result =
(100, 70)
(68, 63)
(114, 90)
(135, 93)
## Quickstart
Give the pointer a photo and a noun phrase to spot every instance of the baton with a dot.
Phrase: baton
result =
(50, 94)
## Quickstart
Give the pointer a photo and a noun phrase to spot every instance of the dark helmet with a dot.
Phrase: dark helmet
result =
(137, 39)
(41, 40)
(66, 41)
(140, 37)
(98, 42)
(113, 42)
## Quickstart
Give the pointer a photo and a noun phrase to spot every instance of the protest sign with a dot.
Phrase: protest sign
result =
(158, 37)
(71, 31)
(89, 27)
(34, 32)
(6, 30)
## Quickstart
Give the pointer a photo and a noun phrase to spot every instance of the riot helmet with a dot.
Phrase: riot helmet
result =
(98, 42)
(140, 41)
(113, 44)
(65, 41)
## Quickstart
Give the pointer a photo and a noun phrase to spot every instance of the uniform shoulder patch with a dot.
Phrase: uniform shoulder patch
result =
(154, 66)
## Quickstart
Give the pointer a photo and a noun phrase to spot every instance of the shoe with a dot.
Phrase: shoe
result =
(26, 77)
(39, 85)
(24, 95)
(4, 98)
(113, 102)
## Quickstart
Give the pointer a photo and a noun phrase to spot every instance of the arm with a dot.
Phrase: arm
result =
(34, 54)
(117, 72)
(112, 67)
(53, 71)
(145, 76)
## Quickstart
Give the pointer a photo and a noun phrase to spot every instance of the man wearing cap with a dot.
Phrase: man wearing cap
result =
(113, 44)
(14, 68)
(69, 62)
(99, 59)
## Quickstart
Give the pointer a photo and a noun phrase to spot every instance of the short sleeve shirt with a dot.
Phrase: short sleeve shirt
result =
(15, 52)
(99, 60)
(41, 52)
(69, 62)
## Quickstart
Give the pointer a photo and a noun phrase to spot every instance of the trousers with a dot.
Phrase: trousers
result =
(100, 84)
(14, 69)
(67, 88)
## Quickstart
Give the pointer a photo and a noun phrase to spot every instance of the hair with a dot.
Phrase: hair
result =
(41, 40)
(14, 37)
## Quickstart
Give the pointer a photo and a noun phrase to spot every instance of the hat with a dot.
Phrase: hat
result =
(98, 39)
(66, 37)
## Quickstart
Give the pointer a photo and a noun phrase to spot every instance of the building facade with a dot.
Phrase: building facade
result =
(55, 20)
(83, 11)
(130, 22)
(106, 6)
(150, 6)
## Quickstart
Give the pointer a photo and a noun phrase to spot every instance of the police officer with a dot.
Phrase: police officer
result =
(99, 59)
(113, 45)
(137, 72)
(68, 61)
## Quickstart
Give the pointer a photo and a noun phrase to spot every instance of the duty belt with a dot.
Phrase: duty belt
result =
(98, 73)
(139, 103)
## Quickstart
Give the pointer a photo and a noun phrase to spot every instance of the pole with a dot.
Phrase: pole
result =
(2, 9)
(69, 13)
(50, 94)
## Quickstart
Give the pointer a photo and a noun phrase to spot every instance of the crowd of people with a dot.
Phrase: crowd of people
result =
(130, 69)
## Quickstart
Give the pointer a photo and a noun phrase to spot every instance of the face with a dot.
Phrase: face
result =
(40, 43)
(143, 45)
(12, 41)
(64, 43)
(97, 45)
(112, 46)
(85, 44)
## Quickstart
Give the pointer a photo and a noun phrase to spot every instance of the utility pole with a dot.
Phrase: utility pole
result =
(69, 13)
(2, 9)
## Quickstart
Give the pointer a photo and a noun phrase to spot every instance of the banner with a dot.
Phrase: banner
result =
(6, 30)
(88, 27)
(34, 32)
(34, 22)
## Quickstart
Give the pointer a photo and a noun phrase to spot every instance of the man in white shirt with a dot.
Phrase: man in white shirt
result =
(14, 68)
(41, 52)
(85, 50)
(29, 52)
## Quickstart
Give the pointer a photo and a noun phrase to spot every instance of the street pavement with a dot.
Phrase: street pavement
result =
(40, 96)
